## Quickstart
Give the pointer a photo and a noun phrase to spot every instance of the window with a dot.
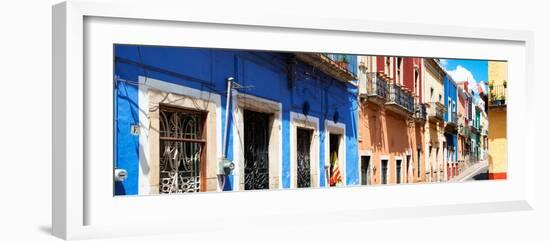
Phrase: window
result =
(408, 169)
(181, 145)
(335, 172)
(384, 172)
(449, 111)
(418, 162)
(399, 60)
(303, 138)
(365, 170)
(398, 171)
(430, 162)
(437, 161)
(416, 79)
(256, 155)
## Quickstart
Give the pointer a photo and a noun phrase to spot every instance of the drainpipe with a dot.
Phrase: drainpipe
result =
(225, 166)
(227, 100)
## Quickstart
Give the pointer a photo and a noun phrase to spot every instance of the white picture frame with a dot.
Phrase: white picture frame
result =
(82, 209)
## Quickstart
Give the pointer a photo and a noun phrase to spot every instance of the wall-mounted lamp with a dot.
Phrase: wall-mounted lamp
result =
(121, 175)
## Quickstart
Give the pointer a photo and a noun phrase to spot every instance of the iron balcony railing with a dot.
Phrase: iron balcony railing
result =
(420, 111)
(329, 64)
(436, 110)
(377, 86)
(465, 131)
(497, 95)
(453, 118)
(401, 97)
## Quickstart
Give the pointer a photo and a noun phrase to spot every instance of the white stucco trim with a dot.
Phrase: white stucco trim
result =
(240, 101)
(398, 158)
(367, 152)
(147, 83)
(144, 188)
(300, 120)
(371, 159)
(336, 128)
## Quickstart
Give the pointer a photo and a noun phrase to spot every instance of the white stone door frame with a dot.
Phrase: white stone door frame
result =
(363, 153)
(340, 129)
(398, 158)
(148, 137)
(387, 158)
(298, 120)
(243, 102)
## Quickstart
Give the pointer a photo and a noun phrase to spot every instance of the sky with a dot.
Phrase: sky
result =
(472, 71)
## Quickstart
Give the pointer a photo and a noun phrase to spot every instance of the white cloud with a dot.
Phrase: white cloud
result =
(444, 62)
(461, 75)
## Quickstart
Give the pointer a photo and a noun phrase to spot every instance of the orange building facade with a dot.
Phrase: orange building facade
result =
(391, 120)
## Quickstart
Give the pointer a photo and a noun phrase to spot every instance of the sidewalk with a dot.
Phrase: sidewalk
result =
(470, 171)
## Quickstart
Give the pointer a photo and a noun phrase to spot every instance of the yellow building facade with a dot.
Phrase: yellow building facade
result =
(433, 135)
(498, 149)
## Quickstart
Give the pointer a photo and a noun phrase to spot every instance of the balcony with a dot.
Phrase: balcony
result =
(465, 131)
(327, 65)
(436, 111)
(376, 89)
(475, 129)
(420, 112)
(400, 100)
(497, 96)
(452, 121)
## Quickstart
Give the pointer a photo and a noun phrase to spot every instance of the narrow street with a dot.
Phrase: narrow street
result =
(482, 174)
(476, 172)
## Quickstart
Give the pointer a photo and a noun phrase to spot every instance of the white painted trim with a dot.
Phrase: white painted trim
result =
(398, 158)
(238, 139)
(340, 129)
(409, 169)
(190, 92)
(367, 152)
(295, 119)
(144, 187)
(147, 83)
(362, 153)
(371, 159)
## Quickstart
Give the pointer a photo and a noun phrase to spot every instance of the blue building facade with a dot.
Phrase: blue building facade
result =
(230, 94)
(451, 123)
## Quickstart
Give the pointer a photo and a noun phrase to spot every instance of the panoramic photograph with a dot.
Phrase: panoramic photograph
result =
(189, 120)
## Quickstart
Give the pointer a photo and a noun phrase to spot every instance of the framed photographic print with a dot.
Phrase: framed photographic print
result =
(167, 122)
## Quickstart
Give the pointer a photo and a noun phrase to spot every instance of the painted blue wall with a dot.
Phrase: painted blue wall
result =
(207, 70)
(451, 92)
(127, 145)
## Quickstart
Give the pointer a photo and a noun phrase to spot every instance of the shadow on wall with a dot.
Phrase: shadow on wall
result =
(119, 188)
(398, 134)
(375, 129)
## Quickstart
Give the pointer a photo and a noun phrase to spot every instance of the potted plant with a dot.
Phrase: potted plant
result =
(501, 99)
(504, 83)
(498, 100)
(491, 85)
